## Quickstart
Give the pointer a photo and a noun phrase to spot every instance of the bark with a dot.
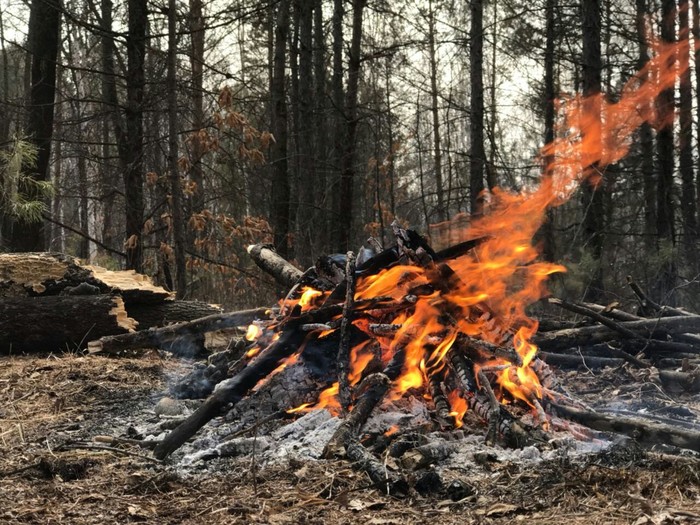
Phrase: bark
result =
(278, 152)
(133, 176)
(688, 197)
(197, 65)
(284, 272)
(665, 217)
(163, 337)
(160, 314)
(547, 231)
(339, 127)
(43, 47)
(347, 175)
(441, 211)
(177, 200)
(593, 204)
(306, 217)
(477, 155)
(321, 106)
(589, 335)
(644, 431)
(40, 324)
(646, 139)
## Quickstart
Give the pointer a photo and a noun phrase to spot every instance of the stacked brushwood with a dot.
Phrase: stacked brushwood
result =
(53, 302)
(629, 339)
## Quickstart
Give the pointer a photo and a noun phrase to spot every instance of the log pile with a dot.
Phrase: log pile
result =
(321, 319)
(52, 302)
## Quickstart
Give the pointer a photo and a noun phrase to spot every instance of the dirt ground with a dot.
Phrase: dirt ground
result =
(53, 471)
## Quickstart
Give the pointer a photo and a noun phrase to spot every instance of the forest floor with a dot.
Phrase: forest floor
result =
(49, 404)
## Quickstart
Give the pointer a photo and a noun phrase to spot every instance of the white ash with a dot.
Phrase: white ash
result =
(234, 447)
(306, 437)
(403, 413)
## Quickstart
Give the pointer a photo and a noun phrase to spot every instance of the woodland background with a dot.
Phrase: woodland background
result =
(166, 135)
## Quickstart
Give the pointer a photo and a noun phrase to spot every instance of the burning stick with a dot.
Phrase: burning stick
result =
(231, 391)
(442, 406)
(345, 326)
(509, 354)
(495, 407)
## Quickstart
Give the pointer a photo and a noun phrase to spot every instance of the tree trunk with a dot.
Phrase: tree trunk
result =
(646, 138)
(43, 46)
(278, 151)
(197, 65)
(593, 204)
(548, 248)
(665, 227)
(339, 127)
(321, 144)
(306, 223)
(688, 199)
(440, 212)
(178, 225)
(477, 155)
(347, 175)
(133, 176)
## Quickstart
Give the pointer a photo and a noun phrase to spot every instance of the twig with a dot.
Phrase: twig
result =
(345, 328)
(104, 448)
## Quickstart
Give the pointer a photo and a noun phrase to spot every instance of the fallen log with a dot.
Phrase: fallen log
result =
(679, 382)
(168, 312)
(589, 335)
(643, 431)
(165, 336)
(580, 361)
(64, 322)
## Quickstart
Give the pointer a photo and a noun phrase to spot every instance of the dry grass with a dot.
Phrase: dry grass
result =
(48, 402)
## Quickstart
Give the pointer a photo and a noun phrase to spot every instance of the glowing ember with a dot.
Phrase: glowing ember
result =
(253, 333)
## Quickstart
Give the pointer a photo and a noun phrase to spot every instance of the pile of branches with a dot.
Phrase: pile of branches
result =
(460, 368)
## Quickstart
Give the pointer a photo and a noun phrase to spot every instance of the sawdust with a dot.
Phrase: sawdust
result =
(52, 407)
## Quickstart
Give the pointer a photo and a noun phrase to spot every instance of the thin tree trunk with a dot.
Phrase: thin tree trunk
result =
(688, 199)
(593, 204)
(43, 46)
(321, 144)
(347, 175)
(646, 137)
(339, 126)
(548, 248)
(440, 212)
(665, 227)
(477, 155)
(133, 176)
(306, 224)
(175, 184)
(197, 64)
(278, 151)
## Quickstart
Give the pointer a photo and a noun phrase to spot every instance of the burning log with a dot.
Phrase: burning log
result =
(231, 391)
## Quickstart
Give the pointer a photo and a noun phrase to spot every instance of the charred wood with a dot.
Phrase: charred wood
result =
(580, 361)
(587, 335)
(231, 391)
(679, 382)
(345, 328)
(427, 454)
(644, 431)
(165, 336)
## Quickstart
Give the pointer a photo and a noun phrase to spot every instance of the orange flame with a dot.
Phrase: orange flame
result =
(327, 399)
(253, 333)
(459, 407)
(490, 287)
